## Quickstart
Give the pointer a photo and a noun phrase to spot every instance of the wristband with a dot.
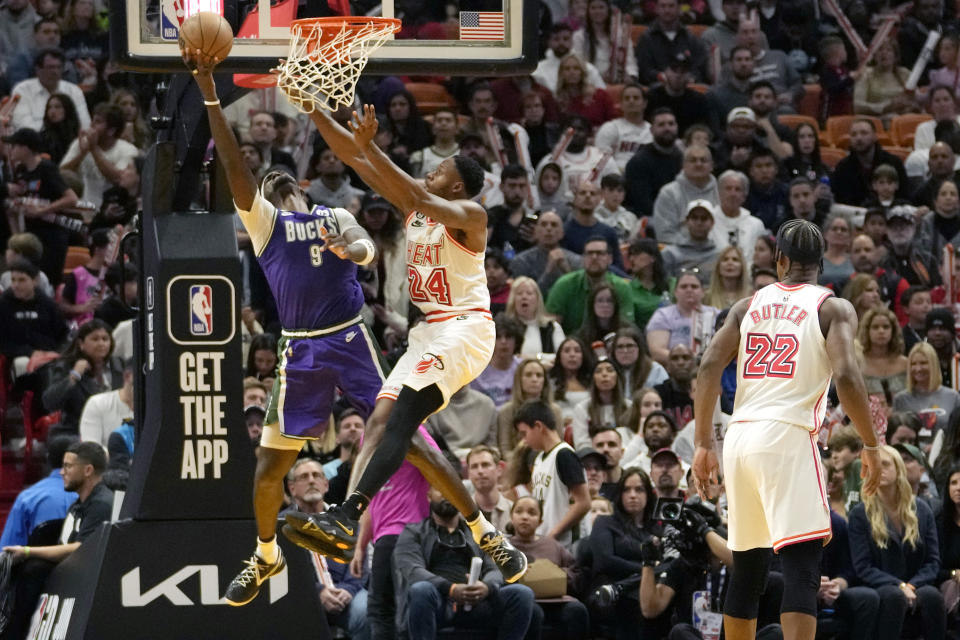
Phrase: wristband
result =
(370, 251)
(875, 447)
(211, 103)
(76, 376)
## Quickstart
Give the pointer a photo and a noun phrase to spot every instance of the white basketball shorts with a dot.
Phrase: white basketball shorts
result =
(449, 353)
(775, 486)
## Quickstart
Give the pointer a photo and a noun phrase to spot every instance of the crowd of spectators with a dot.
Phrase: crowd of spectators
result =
(633, 196)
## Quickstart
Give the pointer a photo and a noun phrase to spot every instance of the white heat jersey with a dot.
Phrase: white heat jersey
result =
(783, 371)
(445, 278)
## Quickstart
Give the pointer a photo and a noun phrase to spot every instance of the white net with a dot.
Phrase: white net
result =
(325, 61)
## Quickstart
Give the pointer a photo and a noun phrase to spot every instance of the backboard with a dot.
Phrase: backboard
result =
(439, 37)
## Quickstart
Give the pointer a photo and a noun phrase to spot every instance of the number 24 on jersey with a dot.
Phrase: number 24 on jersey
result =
(433, 288)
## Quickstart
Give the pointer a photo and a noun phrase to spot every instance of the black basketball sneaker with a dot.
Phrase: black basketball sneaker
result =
(246, 585)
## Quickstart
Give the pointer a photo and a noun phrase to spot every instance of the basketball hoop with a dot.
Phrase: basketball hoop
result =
(326, 58)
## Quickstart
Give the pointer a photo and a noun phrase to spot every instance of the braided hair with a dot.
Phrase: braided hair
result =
(802, 242)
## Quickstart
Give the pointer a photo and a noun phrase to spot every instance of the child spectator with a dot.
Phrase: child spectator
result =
(29, 319)
(553, 190)
(82, 291)
(844, 446)
(611, 211)
(836, 79)
(884, 185)
(29, 247)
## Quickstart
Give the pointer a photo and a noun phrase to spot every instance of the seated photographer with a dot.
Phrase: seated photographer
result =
(571, 617)
(843, 610)
(616, 542)
(893, 541)
(696, 581)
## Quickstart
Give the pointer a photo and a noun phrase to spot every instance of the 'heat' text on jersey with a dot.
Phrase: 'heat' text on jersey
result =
(779, 312)
(424, 254)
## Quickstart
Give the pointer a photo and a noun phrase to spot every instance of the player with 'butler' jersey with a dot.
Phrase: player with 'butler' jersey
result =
(446, 239)
(309, 258)
(788, 340)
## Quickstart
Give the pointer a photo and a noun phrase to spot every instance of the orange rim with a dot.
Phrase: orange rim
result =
(349, 23)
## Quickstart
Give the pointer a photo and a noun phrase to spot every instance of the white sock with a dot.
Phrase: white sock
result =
(480, 526)
(268, 550)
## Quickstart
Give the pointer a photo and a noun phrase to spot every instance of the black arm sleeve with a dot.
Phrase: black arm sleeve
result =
(569, 468)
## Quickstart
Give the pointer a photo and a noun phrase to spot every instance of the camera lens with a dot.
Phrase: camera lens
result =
(671, 511)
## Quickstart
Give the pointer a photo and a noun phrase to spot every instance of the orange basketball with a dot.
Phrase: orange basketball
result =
(209, 32)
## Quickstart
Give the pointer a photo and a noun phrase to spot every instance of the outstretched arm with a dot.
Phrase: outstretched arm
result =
(840, 319)
(242, 183)
(721, 350)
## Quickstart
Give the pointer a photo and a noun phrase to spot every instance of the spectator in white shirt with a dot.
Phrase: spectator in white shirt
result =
(99, 154)
(734, 226)
(624, 136)
(106, 411)
(34, 92)
(560, 43)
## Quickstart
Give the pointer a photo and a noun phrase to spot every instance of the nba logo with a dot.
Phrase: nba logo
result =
(201, 310)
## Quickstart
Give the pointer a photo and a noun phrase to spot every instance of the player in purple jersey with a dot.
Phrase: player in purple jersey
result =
(310, 261)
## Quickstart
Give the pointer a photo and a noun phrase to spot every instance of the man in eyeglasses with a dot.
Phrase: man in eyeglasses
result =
(432, 559)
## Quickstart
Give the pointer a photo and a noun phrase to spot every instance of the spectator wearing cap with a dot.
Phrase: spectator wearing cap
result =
(105, 412)
(697, 250)
(654, 164)
(48, 65)
(254, 415)
(852, 176)
(738, 142)
(595, 468)
(690, 107)
(666, 473)
(664, 41)
(546, 261)
(567, 298)
(768, 198)
(82, 290)
(734, 225)
(484, 468)
(30, 322)
(694, 182)
(926, 394)
(100, 155)
(329, 183)
(905, 255)
(941, 335)
(37, 191)
(349, 430)
(624, 136)
(734, 90)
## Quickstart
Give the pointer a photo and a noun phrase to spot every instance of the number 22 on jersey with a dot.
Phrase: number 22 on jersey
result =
(770, 356)
(433, 288)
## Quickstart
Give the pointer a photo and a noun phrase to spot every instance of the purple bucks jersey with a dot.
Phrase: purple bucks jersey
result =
(313, 287)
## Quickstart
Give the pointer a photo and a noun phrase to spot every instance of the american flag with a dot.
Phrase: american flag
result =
(481, 25)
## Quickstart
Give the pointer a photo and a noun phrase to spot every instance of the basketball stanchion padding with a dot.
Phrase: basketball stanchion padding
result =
(326, 58)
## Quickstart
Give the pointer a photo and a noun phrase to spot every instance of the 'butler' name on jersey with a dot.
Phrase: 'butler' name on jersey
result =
(791, 313)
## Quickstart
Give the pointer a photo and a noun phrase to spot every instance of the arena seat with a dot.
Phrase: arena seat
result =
(831, 156)
(699, 88)
(837, 130)
(809, 104)
(636, 31)
(794, 120)
(900, 152)
(903, 127)
(697, 29)
(430, 97)
(76, 257)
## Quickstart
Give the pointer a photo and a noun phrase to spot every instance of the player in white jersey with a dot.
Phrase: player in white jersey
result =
(446, 240)
(788, 339)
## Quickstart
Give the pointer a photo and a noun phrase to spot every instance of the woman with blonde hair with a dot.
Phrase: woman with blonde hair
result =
(880, 342)
(863, 292)
(893, 542)
(575, 94)
(926, 396)
(730, 280)
(542, 335)
(529, 383)
(136, 132)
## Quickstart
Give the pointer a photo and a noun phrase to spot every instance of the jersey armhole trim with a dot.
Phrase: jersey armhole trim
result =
(446, 230)
(823, 299)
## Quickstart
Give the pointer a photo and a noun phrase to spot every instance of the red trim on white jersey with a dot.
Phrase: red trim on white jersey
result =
(789, 287)
(446, 230)
(803, 537)
(448, 315)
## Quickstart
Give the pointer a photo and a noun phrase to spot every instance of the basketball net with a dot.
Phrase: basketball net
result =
(326, 58)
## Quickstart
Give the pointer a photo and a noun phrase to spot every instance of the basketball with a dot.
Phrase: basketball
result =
(209, 32)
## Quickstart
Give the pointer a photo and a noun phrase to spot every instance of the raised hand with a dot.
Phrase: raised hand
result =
(365, 128)
(201, 66)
